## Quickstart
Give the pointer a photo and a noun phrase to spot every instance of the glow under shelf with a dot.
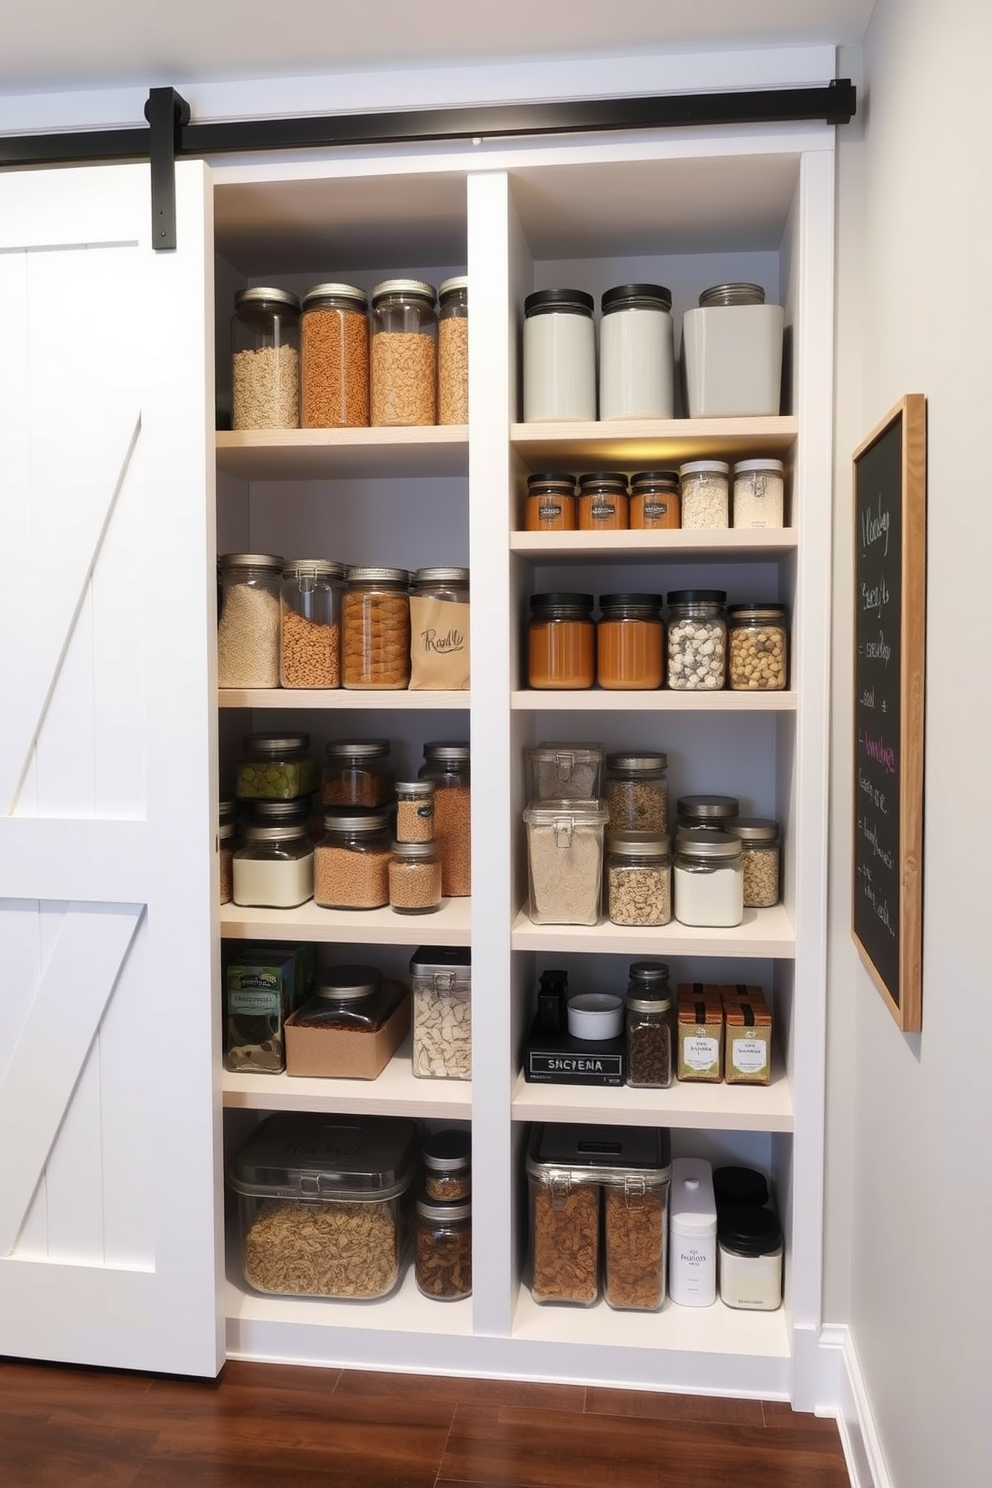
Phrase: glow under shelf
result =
(451, 925)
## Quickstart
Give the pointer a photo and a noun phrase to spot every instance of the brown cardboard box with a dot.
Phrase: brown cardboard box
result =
(700, 1032)
(748, 1036)
(344, 1053)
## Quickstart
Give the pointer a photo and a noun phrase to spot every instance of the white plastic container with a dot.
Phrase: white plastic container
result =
(559, 356)
(636, 353)
(750, 1250)
(692, 1242)
(732, 353)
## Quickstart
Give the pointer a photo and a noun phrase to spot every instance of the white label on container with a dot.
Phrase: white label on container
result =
(700, 1053)
(749, 1055)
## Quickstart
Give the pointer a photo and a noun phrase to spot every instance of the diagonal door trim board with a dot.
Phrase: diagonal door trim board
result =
(65, 1014)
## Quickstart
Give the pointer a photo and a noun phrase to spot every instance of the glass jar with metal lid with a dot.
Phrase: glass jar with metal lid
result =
(276, 767)
(439, 630)
(565, 861)
(705, 486)
(637, 791)
(565, 772)
(561, 641)
(630, 642)
(636, 353)
(248, 624)
(709, 879)
(358, 772)
(447, 1158)
(759, 490)
(760, 852)
(404, 353)
(273, 867)
(415, 878)
(604, 505)
(638, 878)
(655, 504)
(415, 811)
(697, 640)
(559, 356)
(228, 842)
(334, 361)
(650, 1026)
(550, 504)
(310, 629)
(351, 861)
(265, 359)
(452, 351)
(757, 659)
(441, 987)
(353, 997)
(375, 629)
(443, 1267)
(711, 813)
(448, 764)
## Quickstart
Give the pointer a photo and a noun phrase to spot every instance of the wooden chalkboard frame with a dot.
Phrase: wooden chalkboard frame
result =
(890, 586)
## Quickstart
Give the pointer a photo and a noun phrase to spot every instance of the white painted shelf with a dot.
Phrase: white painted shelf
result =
(343, 454)
(764, 933)
(660, 700)
(451, 925)
(545, 547)
(631, 443)
(395, 1092)
(337, 699)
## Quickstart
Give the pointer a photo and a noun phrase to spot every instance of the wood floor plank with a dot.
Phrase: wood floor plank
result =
(277, 1376)
(36, 1454)
(780, 1413)
(652, 1405)
(452, 1390)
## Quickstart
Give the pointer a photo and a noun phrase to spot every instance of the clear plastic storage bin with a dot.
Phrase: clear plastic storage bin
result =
(565, 861)
(441, 985)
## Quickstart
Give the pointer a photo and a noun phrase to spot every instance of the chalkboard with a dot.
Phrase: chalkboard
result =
(889, 641)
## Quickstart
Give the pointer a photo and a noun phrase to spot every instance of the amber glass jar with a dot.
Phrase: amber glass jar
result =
(561, 641)
(630, 640)
(604, 505)
(550, 503)
(654, 500)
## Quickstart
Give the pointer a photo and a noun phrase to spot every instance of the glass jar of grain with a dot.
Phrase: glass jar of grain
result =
(638, 878)
(404, 353)
(637, 791)
(452, 351)
(265, 359)
(248, 623)
(334, 359)
(375, 630)
(310, 623)
(448, 765)
(415, 878)
(415, 811)
(351, 861)
(760, 854)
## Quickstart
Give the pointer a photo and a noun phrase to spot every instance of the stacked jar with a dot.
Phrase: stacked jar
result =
(228, 843)
(452, 351)
(448, 765)
(649, 1026)
(443, 1265)
(273, 865)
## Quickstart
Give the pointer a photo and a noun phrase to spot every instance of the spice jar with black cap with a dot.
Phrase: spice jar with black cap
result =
(636, 353)
(655, 503)
(604, 504)
(550, 504)
(650, 1022)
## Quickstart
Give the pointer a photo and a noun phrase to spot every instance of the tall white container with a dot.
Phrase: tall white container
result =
(636, 353)
(732, 353)
(692, 1241)
(559, 356)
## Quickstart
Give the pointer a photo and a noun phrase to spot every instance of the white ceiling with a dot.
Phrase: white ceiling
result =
(50, 45)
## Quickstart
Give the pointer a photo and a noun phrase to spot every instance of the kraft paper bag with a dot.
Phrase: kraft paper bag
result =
(439, 654)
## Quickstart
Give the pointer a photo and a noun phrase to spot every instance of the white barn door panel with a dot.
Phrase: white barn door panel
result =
(109, 1125)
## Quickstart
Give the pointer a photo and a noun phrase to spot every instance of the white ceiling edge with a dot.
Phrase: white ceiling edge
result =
(529, 80)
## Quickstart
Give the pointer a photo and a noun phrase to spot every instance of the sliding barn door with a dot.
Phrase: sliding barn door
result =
(109, 1130)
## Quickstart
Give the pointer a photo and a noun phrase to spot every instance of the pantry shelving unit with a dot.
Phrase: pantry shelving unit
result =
(531, 215)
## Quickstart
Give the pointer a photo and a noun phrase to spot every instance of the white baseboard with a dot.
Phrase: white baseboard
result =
(855, 1422)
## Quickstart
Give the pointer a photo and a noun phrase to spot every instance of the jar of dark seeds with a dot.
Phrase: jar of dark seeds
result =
(649, 1026)
(637, 791)
(448, 1165)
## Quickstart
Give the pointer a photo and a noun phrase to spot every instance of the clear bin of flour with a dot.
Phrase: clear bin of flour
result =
(565, 861)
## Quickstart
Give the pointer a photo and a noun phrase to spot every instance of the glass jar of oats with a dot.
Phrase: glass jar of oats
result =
(404, 353)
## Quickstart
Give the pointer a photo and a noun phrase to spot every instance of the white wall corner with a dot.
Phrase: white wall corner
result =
(841, 1375)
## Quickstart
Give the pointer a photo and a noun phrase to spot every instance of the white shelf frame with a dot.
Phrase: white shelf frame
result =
(321, 699)
(450, 925)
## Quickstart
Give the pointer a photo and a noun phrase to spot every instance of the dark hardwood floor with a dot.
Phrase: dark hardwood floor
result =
(273, 1426)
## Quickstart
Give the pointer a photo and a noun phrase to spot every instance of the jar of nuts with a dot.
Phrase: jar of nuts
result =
(351, 861)
(760, 851)
(310, 632)
(334, 358)
(697, 640)
(637, 791)
(375, 628)
(756, 642)
(638, 878)
(404, 353)
(447, 1158)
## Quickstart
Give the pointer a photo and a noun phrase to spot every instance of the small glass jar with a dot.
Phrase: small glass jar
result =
(550, 505)
(228, 842)
(637, 791)
(705, 494)
(375, 629)
(655, 505)
(757, 647)
(248, 624)
(638, 878)
(358, 772)
(265, 360)
(448, 765)
(561, 641)
(415, 878)
(415, 811)
(404, 353)
(759, 493)
(273, 868)
(447, 1158)
(353, 997)
(276, 767)
(750, 1248)
(310, 627)
(604, 505)
(443, 1267)
(697, 640)
(559, 356)
(351, 861)
(441, 986)
(760, 853)
(709, 879)
(452, 351)
(708, 813)
(565, 861)
(630, 642)
(334, 359)
(636, 353)
(650, 1026)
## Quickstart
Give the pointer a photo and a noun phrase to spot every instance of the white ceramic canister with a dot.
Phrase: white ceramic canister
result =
(692, 1242)
(750, 1251)
(559, 356)
(732, 351)
(636, 353)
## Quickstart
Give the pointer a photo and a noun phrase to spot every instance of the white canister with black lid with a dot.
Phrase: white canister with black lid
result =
(636, 353)
(692, 1242)
(559, 356)
(750, 1254)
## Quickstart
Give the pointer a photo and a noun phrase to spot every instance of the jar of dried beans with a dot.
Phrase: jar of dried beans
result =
(448, 1165)
(561, 641)
(404, 353)
(358, 772)
(604, 505)
(449, 766)
(630, 641)
(452, 351)
(650, 1024)
(351, 861)
(334, 372)
(265, 359)
(654, 501)
(415, 811)
(638, 878)
(443, 1267)
(705, 494)
(760, 852)
(441, 986)
(756, 642)
(637, 791)
(697, 640)
(375, 629)
(415, 878)
(310, 632)
(248, 624)
(550, 505)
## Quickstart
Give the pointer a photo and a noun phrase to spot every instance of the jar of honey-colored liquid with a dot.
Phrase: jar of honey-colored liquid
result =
(561, 641)
(630, 642)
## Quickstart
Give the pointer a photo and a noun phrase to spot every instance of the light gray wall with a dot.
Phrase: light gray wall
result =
(909, 1169)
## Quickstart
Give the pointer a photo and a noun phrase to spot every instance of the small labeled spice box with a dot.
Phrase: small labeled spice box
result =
(747, 1036)
(700, 1027)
